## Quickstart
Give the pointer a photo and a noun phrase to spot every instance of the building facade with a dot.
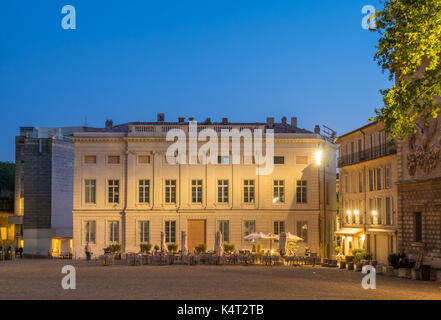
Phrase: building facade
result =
(419, 193)
(43, 190)
(368, 193)
(126, 192)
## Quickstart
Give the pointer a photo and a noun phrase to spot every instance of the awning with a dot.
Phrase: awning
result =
(349, 231)
(381, 231)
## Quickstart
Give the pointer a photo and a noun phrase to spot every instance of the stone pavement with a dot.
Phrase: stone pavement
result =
(41, 279)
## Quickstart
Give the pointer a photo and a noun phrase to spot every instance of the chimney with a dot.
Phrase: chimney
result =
(109, 124)
(190, 118)
(270, 122)
(294, 122)
(181, 119)
(317, 129)
(224, 120)
(283, 120)
(161, 117)
(208, 120)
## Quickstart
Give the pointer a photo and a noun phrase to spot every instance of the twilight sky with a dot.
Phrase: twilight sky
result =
(129, 60)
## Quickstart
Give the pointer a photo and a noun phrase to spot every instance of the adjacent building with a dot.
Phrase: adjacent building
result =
(43, 190)
(126, 192)
(419, 193)
(368, 192)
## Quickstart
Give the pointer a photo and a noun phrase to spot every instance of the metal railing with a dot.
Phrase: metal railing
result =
(366, 154)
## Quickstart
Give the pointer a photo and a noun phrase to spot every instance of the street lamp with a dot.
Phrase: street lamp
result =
(322, 235)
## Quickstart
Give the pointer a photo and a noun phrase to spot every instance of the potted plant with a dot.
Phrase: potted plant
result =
(201, 248)
(229, 248)
(259, 248)
(156, 248)
(254, 249)
(172, 247)
(116, 250)
(145, 248)
(359, 256)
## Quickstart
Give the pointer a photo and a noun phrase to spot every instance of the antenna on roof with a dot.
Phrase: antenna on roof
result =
(85, 121)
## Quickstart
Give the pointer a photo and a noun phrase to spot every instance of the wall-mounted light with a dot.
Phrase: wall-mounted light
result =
(356, 212)
(348, 212)
(350, 239)
(374, 213)
(318, 157)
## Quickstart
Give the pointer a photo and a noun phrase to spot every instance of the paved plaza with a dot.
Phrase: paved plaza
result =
(41, 279)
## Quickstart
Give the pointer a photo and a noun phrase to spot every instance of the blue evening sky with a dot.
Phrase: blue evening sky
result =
(242, 59)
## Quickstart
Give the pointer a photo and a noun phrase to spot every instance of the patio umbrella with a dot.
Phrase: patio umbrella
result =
(163, 246)
(184, 242)
(290, 237)
(218, 243)
(256, 235)
(282, 243)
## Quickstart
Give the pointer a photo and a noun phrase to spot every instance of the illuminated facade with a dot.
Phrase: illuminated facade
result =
(368, 192)
(126, 192)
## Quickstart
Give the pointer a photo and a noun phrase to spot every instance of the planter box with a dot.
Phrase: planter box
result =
(389, 270)
(342, 265)
(350, 266)
(378, 269)
(358, 267)
(416, 274)
(438, 275)
(404, 273)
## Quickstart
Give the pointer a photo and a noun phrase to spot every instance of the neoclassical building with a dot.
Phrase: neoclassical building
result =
(126, 192)
(368, 192)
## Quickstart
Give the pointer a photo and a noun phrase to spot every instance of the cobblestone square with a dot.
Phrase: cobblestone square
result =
(41, 279)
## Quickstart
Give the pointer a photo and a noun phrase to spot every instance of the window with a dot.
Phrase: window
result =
(372, 209)
(170, 191)
(144, 231)
(301, 191)
(379, 211)
(113, 159)
(388, 211)
(378, 178)
(223, 160)
(144, 191)
(196, 191)
(249, 227)
(279, 227)
(360, 182)
(222, 191)
(371, 180)
(170, 231)
(89, 231)
(387, 178)
(114, 231)
(90, 159)
(302, 230)
(301, 160)
(279, 191)
(89, 191)
(113, 191)
(224, 228)
(279, 160)
(248, 191)
(418, 227)
(143, 159)
(346, 183)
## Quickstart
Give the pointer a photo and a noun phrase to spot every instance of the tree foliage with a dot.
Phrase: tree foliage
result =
(409, 50)
(7, 175)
